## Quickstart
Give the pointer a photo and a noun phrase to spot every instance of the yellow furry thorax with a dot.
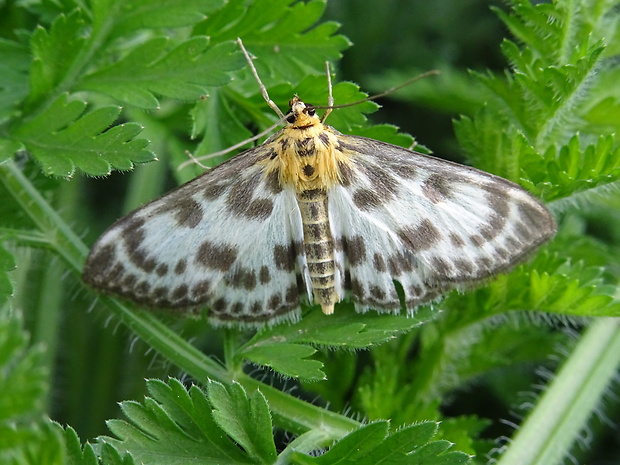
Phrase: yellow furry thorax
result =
(306, 155)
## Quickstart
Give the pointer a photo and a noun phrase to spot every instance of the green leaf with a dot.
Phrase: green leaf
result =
(175, 427)
(64, 138)
(344, 328)
(287, 359)
(13, 78)
(56, 53)
(533, 128)
(573, 168)
(22, 378)
(283, 347)
(25, 435)
(76, 455)
(374, 444)
(551, 284)
(185, 72)
(284, 37)
(124, 17)
(246, 420)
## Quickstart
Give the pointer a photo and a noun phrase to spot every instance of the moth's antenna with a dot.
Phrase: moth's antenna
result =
(263, 89)
(330, 96)
(331, 105)
(196, 160)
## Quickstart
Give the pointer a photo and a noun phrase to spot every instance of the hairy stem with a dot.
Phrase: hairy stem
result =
(549, 432)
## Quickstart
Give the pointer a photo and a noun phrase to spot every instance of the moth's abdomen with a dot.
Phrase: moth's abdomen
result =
(319, 245)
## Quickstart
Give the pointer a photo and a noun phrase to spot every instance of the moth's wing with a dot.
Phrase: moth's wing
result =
(429, 224)
(231, 239)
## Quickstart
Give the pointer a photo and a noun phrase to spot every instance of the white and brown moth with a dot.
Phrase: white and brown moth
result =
(316, 215)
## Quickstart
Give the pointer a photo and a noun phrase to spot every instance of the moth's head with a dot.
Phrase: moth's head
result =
(301, 115)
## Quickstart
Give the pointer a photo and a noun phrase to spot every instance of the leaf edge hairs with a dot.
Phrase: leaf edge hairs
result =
(316, 215)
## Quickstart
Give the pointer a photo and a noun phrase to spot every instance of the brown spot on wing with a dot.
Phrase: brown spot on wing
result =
(186, 211)
(421, 237)
(355, 249)
(99, 263)
(379, 262)
(264, 276)
(436, 188)
(284, 257)
(377, 293)
(345, 174)
(367, 199)
(180, 292)
(201, 290)
(382, 182)
(213, 191)
(180, 266)
(456, 240)
(162, 269)
(494, 227)
(242, 278)
(272, 182)
(240, 200)
(216, 257)
(141, 259)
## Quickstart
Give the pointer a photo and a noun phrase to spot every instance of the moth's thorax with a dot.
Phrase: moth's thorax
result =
(305, 151)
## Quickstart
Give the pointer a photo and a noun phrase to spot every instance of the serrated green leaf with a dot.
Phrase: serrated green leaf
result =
(76, 455)
(13, 77)
(173, 428)
(111, 456)
(283, 347)
(344, 328)
(287, 359)
(355, 446)
(39, 442)
(464, 431)
(267, 27)
(547, 284)
(185, 72)
(373, 445)
(144, 14)
(55, 53)
(64, 138)
(246, 420)
(23, 380)
(25, 435)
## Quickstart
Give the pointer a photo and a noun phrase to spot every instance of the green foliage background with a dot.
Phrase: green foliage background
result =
(103, 87)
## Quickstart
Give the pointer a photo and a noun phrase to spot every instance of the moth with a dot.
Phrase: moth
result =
(318, 216)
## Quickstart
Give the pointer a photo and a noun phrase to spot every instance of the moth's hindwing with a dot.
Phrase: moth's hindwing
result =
(231, 239)
(430, 224)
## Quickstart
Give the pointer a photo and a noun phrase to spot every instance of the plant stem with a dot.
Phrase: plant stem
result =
(548, 433)
(290, 413)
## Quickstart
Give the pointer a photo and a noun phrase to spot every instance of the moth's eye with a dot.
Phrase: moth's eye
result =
(310, 111)
(290, 118)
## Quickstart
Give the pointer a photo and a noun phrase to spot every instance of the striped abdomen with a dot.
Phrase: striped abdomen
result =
(319, 246)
